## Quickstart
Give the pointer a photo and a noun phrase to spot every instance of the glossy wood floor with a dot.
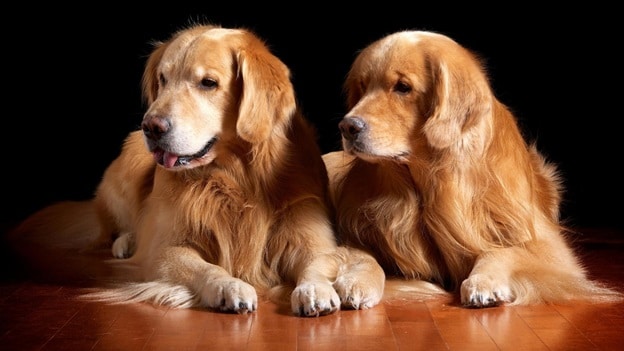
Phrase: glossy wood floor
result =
(39, 311)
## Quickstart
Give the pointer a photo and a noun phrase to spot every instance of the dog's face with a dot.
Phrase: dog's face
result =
(197, 85)
(403, 98)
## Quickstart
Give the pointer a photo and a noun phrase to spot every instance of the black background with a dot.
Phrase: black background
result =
(73, 87)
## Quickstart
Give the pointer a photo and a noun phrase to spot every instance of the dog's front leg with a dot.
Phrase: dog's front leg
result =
(360, 280)
(358, 283)
(488, 284)
(314, 294)
(213, 285)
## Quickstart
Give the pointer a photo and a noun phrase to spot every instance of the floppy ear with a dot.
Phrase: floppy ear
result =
(150, 74)
(268, 98)
(461, 98)
(351, 87)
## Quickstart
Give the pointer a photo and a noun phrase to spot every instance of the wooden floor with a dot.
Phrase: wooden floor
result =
(39, 311)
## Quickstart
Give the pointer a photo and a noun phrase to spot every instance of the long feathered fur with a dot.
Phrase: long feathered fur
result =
(247, 216)
(437, 182)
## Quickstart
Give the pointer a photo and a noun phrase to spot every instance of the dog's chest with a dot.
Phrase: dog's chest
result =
(378, 202)
(217, 204)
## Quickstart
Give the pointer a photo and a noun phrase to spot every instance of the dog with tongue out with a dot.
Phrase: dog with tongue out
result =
(221, 197)
(168, 149)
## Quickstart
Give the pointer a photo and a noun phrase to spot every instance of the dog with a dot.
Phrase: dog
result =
(436, 181)
(222, 195)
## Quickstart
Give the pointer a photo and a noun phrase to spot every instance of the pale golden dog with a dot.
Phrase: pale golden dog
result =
(222, 196)
(436, 181)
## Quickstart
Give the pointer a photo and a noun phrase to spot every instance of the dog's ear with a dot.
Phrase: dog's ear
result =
(150, 74)
(267, 98)
(461, 98)
(352, 88)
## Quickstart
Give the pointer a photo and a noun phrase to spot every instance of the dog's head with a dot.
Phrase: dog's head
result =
(412, 91)
(209, 87)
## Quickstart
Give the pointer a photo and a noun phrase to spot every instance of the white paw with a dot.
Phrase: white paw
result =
(124, 245)
(358, 293)
(230, 295)
(481, 290)
(314, 299)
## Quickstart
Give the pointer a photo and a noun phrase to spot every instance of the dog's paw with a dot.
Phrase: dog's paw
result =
(124, 245)
(357, 293)
(230, 295)
(481, 290)
(314, 299)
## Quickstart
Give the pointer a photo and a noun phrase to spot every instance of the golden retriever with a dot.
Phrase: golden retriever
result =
(222, 194)
(435, 180)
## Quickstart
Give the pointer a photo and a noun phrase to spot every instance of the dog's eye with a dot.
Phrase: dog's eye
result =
(161, 80)
(208, 83)
(402, 88)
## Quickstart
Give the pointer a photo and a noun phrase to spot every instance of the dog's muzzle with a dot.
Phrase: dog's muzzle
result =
(155, 129)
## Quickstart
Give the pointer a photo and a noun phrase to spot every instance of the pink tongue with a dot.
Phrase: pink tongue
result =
(169, 159)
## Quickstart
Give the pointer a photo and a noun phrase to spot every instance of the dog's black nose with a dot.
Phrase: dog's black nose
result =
(155, 127)
(351, 127)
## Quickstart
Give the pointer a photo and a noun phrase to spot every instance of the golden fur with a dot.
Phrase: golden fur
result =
(436, 181)
(222, 196)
